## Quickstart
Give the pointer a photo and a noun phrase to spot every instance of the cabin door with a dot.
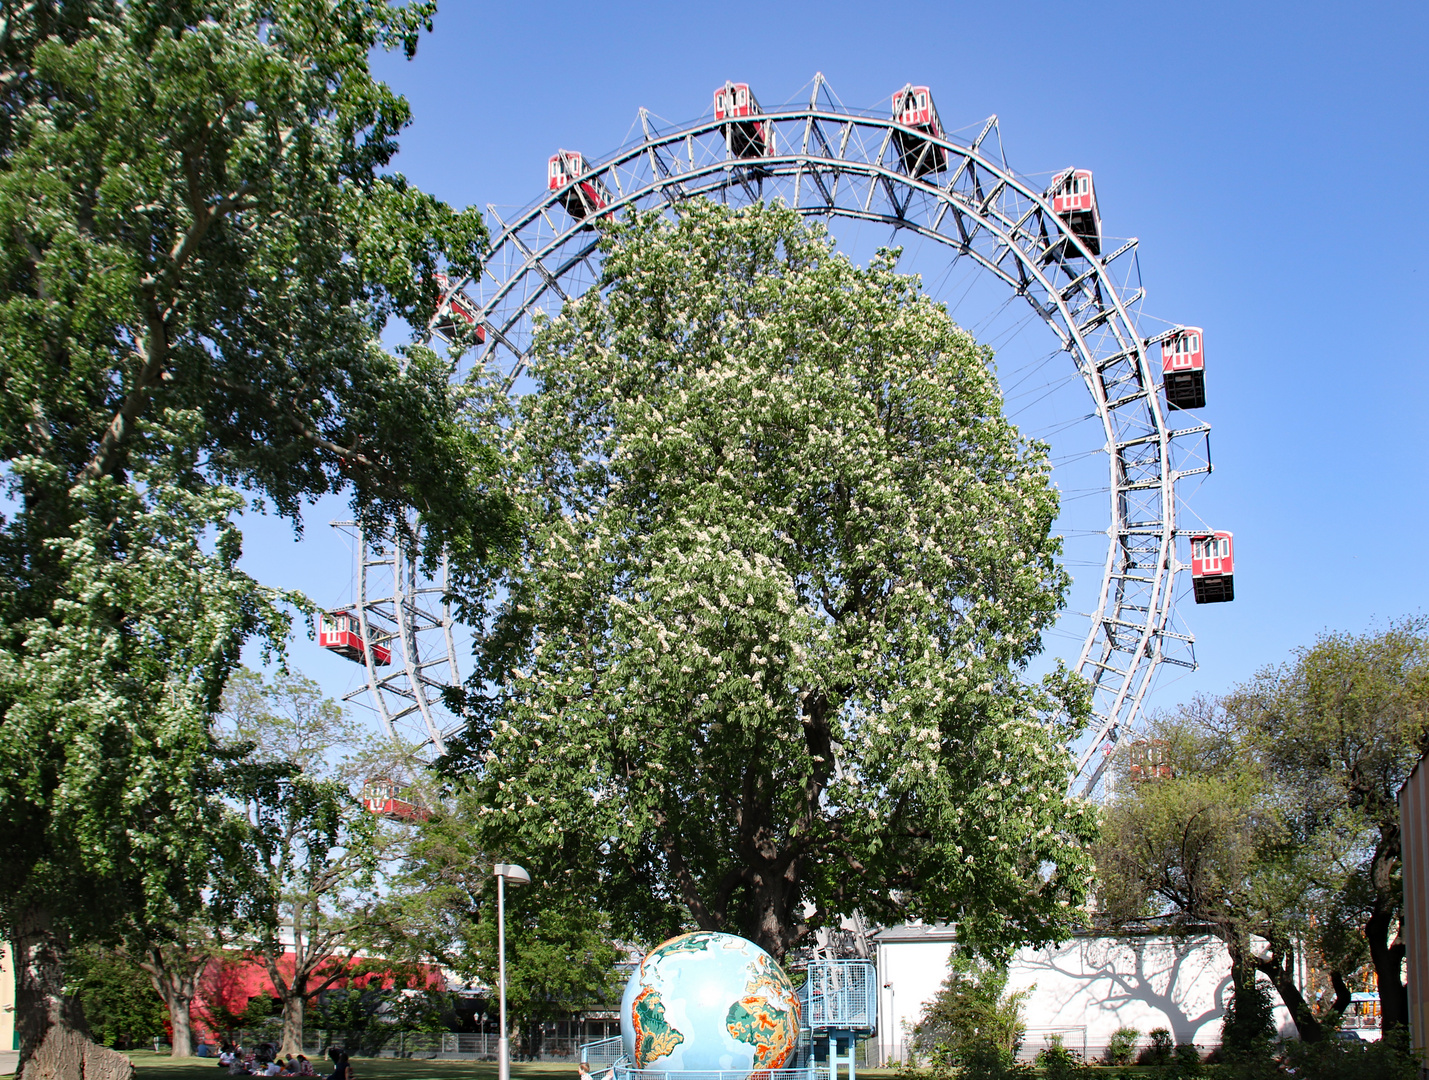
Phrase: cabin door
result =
(1211, 556)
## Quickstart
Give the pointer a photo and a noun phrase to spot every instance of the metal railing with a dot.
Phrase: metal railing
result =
(370, 1042)
(1359, 1022)
(603, 1052)
(811, 1072)
(841, 994)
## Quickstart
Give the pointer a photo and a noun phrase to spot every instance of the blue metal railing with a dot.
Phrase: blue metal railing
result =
(841, 995)
(602, 1053)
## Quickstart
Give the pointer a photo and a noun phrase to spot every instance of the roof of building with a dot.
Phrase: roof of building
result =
(917, 932)
(1148, 928)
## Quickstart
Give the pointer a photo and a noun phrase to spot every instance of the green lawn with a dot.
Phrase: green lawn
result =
(147, 1064)
(152, 1066)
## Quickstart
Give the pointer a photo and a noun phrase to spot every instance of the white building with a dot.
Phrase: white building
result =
(1083, 989)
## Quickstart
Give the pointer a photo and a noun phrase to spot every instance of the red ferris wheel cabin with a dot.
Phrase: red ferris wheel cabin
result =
(1149, 760)
(1074, 200)
(1183, 368)
(458, 308)
(1212, 567)
(389, 799)
(913, 108)
(340, 632)
(582, 194)
(745, 136)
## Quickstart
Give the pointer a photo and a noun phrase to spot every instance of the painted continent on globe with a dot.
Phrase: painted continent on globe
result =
(707, 1001)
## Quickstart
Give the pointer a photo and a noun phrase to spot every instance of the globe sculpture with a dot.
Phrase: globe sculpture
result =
(703, 1002)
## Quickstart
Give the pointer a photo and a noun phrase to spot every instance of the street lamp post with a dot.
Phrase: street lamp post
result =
(892, 1022)
(517, 876)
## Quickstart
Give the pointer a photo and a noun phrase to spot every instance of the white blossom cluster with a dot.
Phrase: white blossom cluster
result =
(787, 560)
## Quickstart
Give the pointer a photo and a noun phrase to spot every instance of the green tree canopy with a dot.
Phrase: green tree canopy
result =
(785, 565)
(1340, 726)
(193, 219)
(198, 247)
(119, 1002)
(1280, 821)
(560, 957)
(971, 1014)
(1209, 847)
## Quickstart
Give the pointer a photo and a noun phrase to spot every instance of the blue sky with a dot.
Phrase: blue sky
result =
(1271, 158)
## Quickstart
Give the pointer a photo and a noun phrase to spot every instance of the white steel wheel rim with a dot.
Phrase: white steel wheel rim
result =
(832, 162)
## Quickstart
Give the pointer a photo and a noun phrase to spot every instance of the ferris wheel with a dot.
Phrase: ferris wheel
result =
(898, 170)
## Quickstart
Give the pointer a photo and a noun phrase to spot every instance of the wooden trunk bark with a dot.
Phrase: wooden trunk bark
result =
(1388, 958)
(294, 1011)
(1386, 952)
(183, 1040)
(174, 975)
(1279, 967)
(1343, 992)
(54, 1040)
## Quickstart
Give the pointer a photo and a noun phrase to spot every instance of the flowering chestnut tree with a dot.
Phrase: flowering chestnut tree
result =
(786, 563)
(200, 244)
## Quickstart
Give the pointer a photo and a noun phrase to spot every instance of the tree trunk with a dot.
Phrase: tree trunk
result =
(1343, 994)
(54, 1040)
(771, 916)
(1242, 970)
(182, 1044)
(294, 1009)
(1278, 965)
(1388, 958)
(1386, 954)
(1246, 1031)
(174, 976)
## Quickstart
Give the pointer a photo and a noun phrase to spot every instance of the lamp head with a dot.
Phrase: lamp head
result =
(513, 874)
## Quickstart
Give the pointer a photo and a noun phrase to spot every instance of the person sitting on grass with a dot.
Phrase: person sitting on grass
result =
(341, 1070)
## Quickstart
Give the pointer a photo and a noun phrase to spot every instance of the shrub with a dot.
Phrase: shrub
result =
(972, 1061)
(988, 1062)
(1059, 1063)
(1159, 1052)
(1249, 1023)
(972, 1008)
(1352, 1059)
(1121, 1049)
(1186, 1062)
